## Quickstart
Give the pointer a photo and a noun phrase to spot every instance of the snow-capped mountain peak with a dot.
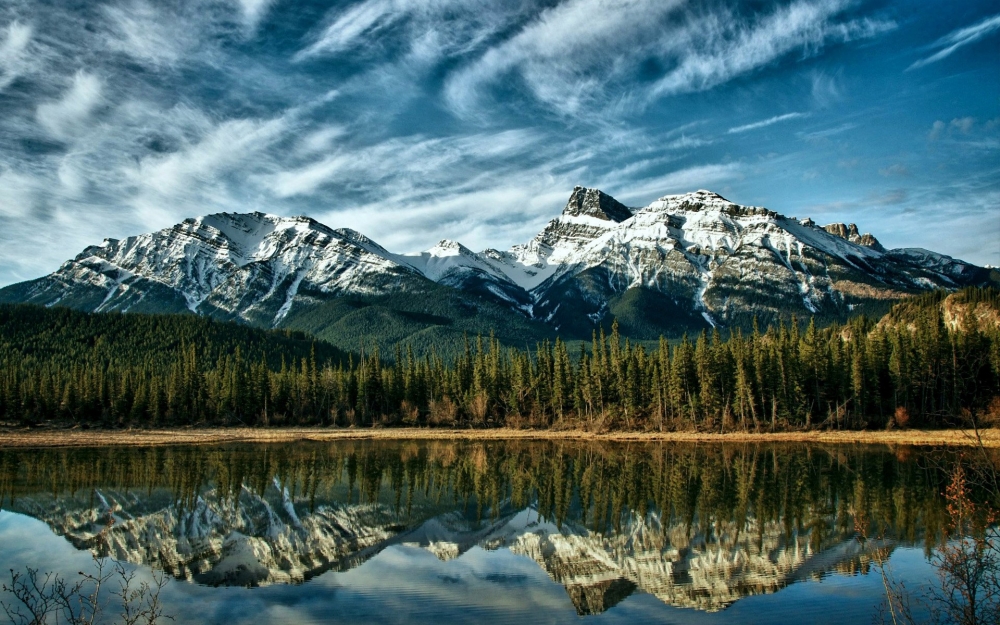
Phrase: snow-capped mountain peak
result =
(691, 259)
(447, 247)
(251, 266)
(453, 264)
(710, 256)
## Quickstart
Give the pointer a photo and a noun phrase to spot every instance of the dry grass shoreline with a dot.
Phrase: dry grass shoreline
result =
(23, 438)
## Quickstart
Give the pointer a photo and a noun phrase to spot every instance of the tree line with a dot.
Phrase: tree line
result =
(910, 368)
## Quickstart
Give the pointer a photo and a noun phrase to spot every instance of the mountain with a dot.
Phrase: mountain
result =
(682, 263)
(251, 267)
(290, 273)
(699, 255)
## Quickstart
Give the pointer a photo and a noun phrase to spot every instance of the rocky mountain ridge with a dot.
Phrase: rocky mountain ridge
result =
(681, 263)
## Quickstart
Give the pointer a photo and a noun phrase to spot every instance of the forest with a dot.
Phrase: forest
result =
(910, 368)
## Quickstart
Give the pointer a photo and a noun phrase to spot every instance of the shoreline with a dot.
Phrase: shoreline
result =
(51, 438)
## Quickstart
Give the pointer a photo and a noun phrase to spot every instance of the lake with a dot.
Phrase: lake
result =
(504, 532)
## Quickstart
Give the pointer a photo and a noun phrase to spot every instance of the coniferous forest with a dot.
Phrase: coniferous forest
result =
(917, 366)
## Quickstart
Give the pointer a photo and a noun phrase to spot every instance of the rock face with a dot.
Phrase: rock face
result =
(700, 253)
(850, 232)
(252, 267)
(256, 539)
(595, 203)
(683, 262)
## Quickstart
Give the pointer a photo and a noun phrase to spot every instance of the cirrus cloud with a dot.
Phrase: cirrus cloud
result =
(959, 38)
(66, 116)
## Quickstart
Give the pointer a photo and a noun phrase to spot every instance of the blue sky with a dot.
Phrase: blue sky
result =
(416, 120)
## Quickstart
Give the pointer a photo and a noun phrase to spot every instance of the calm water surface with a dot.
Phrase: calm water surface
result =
(505, 532)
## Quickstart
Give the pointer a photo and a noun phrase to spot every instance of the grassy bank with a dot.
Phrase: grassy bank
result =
(16, 437)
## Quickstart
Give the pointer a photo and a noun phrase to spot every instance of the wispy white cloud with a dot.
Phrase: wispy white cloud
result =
(678, 181)
(307, 179)
(19, 194)
(66, 116)
(826, 133)
(353, 23)
(13, 52)
(961, 125)
(958, 39)
(145, 34)
(573, 63)
(565, 55)
(765, 122)
(193, 177)
(166, 35)
(254, 11)
(321, 139)
(144, 167)
(685, 142)
(417, 162)
(723, 46)
(434, 29)
(826, 89)
(73, 179)
(508, 209)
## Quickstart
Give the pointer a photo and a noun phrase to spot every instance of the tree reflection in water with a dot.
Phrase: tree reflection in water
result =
(695, 525)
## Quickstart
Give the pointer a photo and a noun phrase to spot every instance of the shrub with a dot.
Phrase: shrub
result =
(442, 412)
(901, 418)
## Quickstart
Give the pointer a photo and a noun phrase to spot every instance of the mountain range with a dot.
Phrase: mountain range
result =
(681, 264)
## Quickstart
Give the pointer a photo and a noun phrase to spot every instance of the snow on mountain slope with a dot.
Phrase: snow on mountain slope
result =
(250, 266)
(682, 262)
(710, 255)
(448, 258)
(452, 264)
(589, 215)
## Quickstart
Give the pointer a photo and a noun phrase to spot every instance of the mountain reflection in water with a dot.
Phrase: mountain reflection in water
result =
(696, 526)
